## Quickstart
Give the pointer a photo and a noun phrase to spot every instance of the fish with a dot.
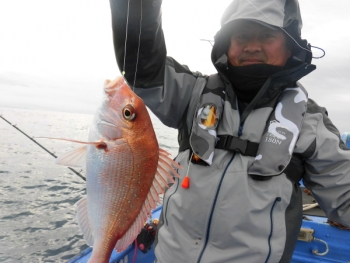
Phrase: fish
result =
(125, 168)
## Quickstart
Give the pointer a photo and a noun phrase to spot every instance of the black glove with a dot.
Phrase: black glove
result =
(147, 235)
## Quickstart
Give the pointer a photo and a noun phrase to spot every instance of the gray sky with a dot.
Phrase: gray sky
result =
(56, 54)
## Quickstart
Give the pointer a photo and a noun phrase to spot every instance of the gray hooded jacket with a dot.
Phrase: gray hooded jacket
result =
(227, 215)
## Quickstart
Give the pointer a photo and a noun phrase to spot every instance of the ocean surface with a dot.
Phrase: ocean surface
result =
(37, 197)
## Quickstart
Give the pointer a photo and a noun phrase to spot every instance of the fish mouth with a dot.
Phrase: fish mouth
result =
(107, 123)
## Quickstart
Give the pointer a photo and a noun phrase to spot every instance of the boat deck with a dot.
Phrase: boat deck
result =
(324, 243)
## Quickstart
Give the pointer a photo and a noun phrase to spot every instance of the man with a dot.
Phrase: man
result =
(247, 134)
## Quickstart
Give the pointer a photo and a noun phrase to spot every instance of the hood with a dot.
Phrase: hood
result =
(283, 14)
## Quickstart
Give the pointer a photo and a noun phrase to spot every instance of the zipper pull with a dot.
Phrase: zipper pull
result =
(240, 131)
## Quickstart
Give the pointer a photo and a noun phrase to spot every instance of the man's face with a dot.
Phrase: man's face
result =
(253, 43)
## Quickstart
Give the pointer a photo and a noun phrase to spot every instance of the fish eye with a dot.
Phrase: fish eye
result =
(129, 113)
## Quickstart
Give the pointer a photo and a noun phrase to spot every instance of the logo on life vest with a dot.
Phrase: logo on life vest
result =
(276, 136)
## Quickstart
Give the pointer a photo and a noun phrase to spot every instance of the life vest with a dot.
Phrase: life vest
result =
(283, 128)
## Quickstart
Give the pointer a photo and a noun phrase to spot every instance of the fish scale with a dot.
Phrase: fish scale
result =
(103, 195)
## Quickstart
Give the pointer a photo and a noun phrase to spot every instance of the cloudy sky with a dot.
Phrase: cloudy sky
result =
(56, 54)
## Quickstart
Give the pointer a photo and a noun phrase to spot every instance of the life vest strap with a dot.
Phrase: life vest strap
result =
(235, 144)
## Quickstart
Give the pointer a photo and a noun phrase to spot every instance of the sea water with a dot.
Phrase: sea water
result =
(345, 136)
(37, 197)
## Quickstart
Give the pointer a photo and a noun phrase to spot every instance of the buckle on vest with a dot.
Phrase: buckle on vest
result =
(235, 144)
(232, 143)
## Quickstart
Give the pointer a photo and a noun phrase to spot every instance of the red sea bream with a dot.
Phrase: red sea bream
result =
(125, 171)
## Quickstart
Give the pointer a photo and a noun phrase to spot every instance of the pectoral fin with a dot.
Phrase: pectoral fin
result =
(76, 157)
(73, 158)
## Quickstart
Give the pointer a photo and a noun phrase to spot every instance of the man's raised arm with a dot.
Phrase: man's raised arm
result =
(139, 41)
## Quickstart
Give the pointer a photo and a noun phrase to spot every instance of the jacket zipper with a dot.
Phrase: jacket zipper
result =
(167, 202)
(240, 130)
(278, 199)
(212, 210)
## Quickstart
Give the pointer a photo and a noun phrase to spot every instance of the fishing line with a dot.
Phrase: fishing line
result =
(138, 48)
(126, 36)
(209, 41)
(15, 126)
(126, 39)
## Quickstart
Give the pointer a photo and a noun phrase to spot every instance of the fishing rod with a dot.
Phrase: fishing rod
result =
(209, 41)
(15, 126)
